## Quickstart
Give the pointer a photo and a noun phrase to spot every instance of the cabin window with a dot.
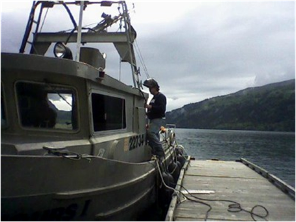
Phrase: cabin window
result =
(3, 113)
(47, 106)
(108, 112)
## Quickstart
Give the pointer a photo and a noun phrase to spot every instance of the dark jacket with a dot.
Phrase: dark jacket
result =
(158, 109)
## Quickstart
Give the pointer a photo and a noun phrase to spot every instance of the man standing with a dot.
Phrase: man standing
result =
(155, 113)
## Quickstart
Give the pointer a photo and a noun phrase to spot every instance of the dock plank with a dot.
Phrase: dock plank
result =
(226, 181)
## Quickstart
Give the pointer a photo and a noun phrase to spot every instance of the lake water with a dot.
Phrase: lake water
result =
(272, 151)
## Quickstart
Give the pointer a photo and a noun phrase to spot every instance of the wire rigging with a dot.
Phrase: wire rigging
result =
(44, 20)
(138, 51)
(137, 48)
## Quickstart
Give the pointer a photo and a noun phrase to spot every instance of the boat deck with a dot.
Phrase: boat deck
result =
(230, 182)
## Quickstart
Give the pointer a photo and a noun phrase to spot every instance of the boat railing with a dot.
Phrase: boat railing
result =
(172, 126)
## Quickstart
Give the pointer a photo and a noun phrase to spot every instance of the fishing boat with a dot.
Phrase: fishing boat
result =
(73, 139)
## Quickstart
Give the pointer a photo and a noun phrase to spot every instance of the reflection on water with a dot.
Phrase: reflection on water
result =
(273, 151)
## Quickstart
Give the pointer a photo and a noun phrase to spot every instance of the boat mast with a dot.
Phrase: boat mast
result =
(123, 40)
(79, 31)
(129, 29)
(28, 28)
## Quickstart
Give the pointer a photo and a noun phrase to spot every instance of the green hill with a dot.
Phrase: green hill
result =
(269, 108)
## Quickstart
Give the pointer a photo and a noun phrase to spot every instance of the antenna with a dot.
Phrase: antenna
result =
(79, 30)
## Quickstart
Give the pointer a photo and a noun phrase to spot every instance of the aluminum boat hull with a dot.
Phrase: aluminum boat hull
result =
(57, 188)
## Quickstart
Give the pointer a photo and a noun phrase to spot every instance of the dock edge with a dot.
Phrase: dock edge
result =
(283, 186)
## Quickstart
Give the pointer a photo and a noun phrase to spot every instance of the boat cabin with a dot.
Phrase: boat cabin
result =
(68, 105)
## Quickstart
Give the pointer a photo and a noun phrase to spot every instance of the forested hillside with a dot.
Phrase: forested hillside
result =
(269, 108)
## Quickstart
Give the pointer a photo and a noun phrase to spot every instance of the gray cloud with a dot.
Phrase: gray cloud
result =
(198, 50)
(219, 48)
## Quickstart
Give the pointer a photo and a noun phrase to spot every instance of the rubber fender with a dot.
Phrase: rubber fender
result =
(181, 159)
(179, 164)
(179, 150)
(165, 194)
(174, 169)
(166, 197)
(168, 179)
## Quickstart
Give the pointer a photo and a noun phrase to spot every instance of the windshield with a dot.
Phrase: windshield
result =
(46, 106)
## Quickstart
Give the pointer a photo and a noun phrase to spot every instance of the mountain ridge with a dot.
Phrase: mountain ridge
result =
(266, 108)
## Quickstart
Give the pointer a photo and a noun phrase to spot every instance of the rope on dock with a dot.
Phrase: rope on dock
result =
(233, 207)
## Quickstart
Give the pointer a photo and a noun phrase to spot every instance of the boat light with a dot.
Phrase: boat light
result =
(101, 74)
(60, 50)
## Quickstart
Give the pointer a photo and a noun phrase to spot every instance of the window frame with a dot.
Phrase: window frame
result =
(108, 131)
(3, 99)
(71, 88)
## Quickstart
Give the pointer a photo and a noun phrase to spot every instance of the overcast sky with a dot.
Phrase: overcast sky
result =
(197, 49)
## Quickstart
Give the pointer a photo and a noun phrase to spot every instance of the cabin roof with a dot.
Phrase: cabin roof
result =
(63, 67)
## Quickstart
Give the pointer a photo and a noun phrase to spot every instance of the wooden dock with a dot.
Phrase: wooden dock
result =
(251, 192)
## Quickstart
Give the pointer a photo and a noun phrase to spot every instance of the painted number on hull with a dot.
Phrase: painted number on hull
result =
(136, 141)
